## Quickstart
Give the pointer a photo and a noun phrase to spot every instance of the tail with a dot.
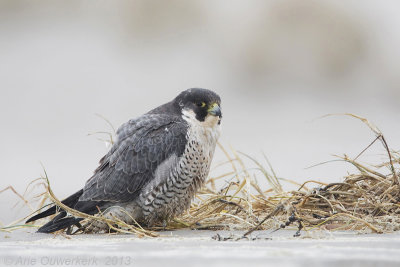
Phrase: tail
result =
(58, 222)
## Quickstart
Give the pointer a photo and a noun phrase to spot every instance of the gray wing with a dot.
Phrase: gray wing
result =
(142, 145)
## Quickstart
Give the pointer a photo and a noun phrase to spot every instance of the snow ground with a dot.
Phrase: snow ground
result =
(197, 248)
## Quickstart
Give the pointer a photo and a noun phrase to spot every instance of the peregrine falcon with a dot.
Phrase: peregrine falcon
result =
(152, 171)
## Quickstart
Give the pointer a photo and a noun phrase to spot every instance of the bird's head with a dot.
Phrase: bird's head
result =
(202, 104)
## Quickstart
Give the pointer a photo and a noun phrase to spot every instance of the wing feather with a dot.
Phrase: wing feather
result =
(142, 145)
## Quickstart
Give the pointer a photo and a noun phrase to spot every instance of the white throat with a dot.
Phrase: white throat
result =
(209, 127)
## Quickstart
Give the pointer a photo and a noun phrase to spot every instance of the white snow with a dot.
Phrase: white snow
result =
(197, 248)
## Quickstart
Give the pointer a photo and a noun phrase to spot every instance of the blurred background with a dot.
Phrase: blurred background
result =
(278, 66)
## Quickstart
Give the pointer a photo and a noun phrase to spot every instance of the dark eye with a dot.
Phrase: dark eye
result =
(201, 104)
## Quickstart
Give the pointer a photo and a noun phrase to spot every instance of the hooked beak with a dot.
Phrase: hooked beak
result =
(215, 110)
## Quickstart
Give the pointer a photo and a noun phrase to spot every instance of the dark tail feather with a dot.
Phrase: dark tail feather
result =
(61, 223)
(69, 201)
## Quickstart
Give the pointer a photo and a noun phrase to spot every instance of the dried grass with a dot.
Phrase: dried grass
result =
(366, 202)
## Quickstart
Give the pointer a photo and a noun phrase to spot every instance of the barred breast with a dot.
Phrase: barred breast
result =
(178, 179)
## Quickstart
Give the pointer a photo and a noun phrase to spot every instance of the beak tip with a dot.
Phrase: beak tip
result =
(216, 111)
